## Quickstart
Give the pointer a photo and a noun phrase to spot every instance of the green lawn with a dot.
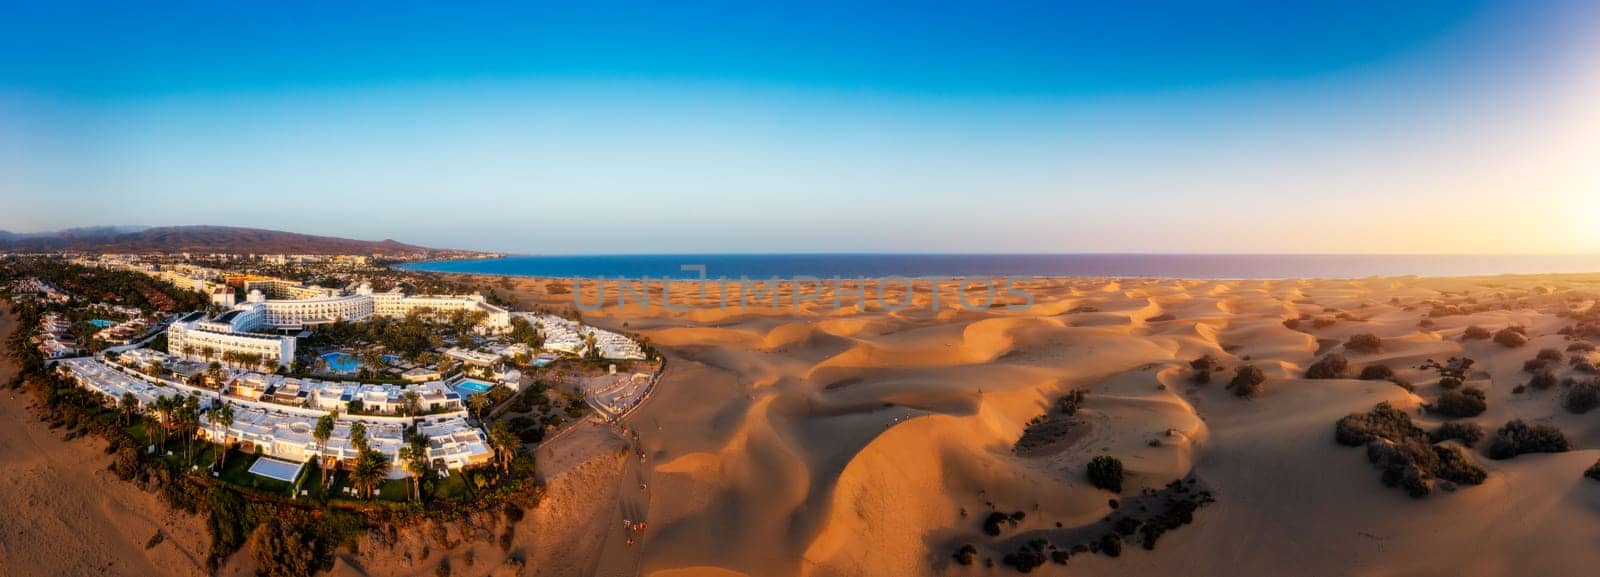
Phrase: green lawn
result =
(237, 472)
(452, 488)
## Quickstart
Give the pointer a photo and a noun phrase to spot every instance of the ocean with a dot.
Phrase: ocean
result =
(1195, 266)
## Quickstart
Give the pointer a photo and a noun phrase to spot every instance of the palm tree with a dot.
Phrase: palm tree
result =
(223, 417)
(591, 348)
(358, 436)
(411, 402)
(164, 410)
(478, 403)
(416, 457)
(505, 444)
(130, 406)
(188, 421)
(322, 433)
(369, 470)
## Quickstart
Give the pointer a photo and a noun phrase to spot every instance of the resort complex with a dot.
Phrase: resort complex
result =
(291, 358)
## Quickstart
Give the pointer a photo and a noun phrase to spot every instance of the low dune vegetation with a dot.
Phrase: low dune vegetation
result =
(1247, 381)
(1518, 437)
(1408, 456)
(1461, 403)
(1582, 396)
(1511, 337)
(1364, 343)
(1332, 366)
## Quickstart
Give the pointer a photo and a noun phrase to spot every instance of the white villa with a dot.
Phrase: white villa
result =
(284, 431)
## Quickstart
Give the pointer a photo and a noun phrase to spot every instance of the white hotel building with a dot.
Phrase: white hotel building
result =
(239, 330)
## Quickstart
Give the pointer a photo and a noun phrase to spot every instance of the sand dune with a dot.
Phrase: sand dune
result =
(873, 443)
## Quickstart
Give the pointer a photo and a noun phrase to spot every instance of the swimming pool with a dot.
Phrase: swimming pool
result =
(341, 362)
(102, 323)
(469, 387)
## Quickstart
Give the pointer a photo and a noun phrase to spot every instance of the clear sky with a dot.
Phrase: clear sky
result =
(625, 127)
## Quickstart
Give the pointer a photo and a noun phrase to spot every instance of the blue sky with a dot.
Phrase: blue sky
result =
(614, 127)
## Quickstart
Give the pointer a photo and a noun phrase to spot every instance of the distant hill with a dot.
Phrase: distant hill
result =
(203, 239)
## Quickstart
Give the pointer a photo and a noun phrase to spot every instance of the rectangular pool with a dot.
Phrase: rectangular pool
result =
(469, 387)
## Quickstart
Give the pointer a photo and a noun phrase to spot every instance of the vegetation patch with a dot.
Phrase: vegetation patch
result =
(1105, 472)
(1247, 381)
(1333, 366)
(1140, 520)
(1512, 337)
(1406, 454)
(1054, 428)
(1364, 343)
(1461, 403)
(1518, 437)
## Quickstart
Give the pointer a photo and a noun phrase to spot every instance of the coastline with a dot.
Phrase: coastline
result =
(868, 266)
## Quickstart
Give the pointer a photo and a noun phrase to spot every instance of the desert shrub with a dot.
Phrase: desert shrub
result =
(1551, 355)
(1364, 343)
(1456, 467)
(1377, 373)
(1543, 381)
(1465, 402)
(1383, 421)
(283, 551)
(1535, 366)
(1111, 544)
(1518, 437)
(1332, 366)
(1476, 333)
(1292, 324)
(1583, 397)
(1468, 433)
(1405, 453)
(1028, 557)
(1105, 472)
(1584, 366)
(993, 523)
(1581, 347)
(1593, 472)
(1202, 368)
(1068, 404)
(1247, 381)
(1511, 337)
(967, 554)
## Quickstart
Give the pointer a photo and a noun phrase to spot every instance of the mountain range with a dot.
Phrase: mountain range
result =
(204, 239)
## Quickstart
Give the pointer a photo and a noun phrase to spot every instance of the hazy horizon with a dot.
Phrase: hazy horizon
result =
(1361, 128)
